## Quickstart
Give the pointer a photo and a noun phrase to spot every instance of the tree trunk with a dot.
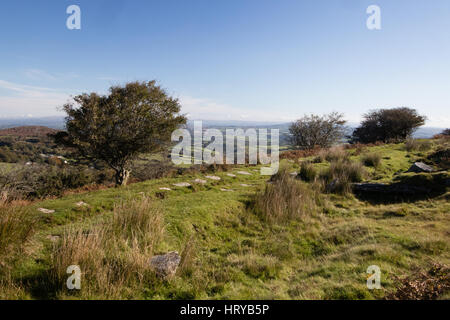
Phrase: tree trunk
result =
(122, 176)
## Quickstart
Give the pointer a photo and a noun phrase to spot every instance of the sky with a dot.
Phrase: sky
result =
(252, 60)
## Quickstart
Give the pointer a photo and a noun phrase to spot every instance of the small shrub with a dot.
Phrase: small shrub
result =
(41, 181)
(371, 160)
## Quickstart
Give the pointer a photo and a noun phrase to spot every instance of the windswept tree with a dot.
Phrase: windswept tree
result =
(318, 131)
(132, 119)
(388, 125)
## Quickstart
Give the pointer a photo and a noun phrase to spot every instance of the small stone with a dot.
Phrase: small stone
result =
(53, 238)
(244, 185)
(165, 189)
(216, 178)
(245, 173)
(231, 175)
(226, 190)
(182, 184)
(43, 210)
(165, 265)
(294, 174)
(200, 181)
(81, 204)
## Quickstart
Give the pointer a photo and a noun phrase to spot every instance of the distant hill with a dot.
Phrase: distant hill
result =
(56, 122)
(27, 131)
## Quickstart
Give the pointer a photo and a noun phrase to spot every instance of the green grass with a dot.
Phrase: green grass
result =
(237, 255)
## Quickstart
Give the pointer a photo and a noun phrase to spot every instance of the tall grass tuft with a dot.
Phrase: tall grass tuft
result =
(418, 145)
(371, 160)
(112, 256)
(307, 172)
(286, 198)
(341, 174)
(332, 154)
(16, 228)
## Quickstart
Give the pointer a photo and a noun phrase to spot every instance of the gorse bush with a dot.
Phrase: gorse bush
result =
(371, 159)
(286, 198)
(112, 256)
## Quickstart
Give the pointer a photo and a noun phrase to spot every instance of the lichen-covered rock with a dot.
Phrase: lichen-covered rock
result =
(166, 265)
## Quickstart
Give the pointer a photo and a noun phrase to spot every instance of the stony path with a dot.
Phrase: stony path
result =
(214, 178)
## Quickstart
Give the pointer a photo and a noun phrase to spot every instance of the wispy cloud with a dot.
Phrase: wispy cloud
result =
(18, 100)
(38, 74)
(206, 109)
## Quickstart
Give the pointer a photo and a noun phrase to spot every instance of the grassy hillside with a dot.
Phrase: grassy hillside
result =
(229, 247)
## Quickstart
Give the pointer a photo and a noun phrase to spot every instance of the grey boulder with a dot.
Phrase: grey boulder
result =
(418, 167)
(166, 265)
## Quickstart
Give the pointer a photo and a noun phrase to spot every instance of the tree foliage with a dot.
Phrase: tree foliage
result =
(388, 125)
(135, 118)
(317, 131)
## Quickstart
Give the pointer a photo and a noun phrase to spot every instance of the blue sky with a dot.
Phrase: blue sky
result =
(233, 59)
